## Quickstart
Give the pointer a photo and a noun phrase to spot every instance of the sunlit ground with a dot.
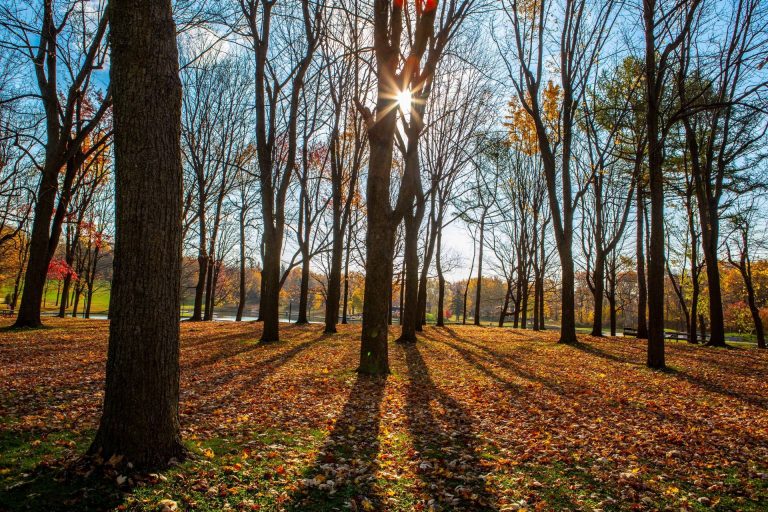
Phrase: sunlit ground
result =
(470, 419)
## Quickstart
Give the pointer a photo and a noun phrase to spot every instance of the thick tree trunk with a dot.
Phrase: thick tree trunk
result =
(140, 413)
(379, 240)
(536, 301)
(202, 274)
(716, 322)
(568, 306)
(334, 277)
(598, 282)
(759, 331)
(524, 305)
(37, 267)
(270, 278)
(410, 310)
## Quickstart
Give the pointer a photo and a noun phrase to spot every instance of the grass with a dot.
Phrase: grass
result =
(469, 419)
(100, 297)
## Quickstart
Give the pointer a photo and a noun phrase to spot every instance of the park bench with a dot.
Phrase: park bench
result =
(629, 331)
(6, 312)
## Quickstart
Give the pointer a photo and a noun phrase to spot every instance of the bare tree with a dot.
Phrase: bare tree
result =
(279, 76)
(582, 29)
(741, 245)
(73, 107)
(666, 24)
(723, 117)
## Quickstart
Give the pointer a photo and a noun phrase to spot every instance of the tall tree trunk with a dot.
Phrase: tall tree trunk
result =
(345, 304)
(410, 310)
(270, 278)
(202, 259)
(759, 330)
(140, 413)
(598, 283)
(241, 295)
(568, 306)
(304, 288)
(524, 305)
(479, 283)
(37, 267)
(503, 312)
(642, 289)
(656, 181)
(440, 280)
(716, 321)
(334, 276)
(428, 254)
(380, 235)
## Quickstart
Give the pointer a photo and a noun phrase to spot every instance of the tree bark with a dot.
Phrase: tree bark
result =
(656, 180)
(642, 290)
(241, 298)
(270, 277)
(140, 411)
(345, 304)
(440, 280)
(479, 283)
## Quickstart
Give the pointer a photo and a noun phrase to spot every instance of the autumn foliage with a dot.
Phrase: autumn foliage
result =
(470, 419)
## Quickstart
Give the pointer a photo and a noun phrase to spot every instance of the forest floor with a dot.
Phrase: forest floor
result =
(470, 419)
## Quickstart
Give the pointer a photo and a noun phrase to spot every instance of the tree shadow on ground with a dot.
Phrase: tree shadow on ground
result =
(509, 362)
(230, 385)
(50, 488)
(718, 389)
(343, 474)
(445, 443)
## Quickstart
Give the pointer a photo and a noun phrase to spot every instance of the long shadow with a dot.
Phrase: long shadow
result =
(343, 473)
(593, 350)
(448, 462)
(509, 363)
(718, 389)
(223, 391)
(223, 346)
(477, 364)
